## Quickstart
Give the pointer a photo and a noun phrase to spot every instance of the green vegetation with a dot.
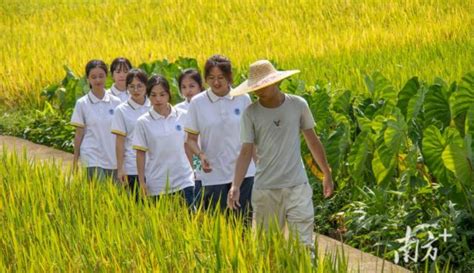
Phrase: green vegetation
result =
(330, 40)
(51, 220)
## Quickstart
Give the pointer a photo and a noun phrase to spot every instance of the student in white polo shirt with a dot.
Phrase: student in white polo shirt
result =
(160, 136)
(92, 117)
(123, 125)
(190, 84)
(119, 69)
(214, 116)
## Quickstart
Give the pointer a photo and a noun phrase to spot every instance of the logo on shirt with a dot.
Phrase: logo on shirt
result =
(178, 127)
(277, 123)
(237, 111)
(111, 111)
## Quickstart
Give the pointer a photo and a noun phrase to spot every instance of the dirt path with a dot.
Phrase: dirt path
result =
(358, 261)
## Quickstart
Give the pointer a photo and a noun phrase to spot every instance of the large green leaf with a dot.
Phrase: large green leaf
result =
(455, 159)
(462, 99)
(436, 107)
(469, 133)
(464, 96)
(321, 101)
(381, 88)
(336, 147)
(415, 105)
(359, 155)
(408, 91)
(342, 103)
(433, 147)
(383, 163)
(395, 135)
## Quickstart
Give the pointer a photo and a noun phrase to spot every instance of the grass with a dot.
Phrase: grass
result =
(53, 221)
(331, 40)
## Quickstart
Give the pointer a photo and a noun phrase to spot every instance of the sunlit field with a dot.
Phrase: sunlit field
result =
(334, 41)
(390, 84)
(53, 221)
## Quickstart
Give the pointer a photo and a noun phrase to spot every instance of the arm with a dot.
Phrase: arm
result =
(141, 160)
(192, 141)
(241, 166)
(317, 151)
(254, 154)
(79, 135)
(119, 151)
(189, 154)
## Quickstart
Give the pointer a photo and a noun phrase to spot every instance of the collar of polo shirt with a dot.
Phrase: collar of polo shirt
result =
(116, 92)
(213, 97)
(95, 99)
(156, 115)
(135, 105)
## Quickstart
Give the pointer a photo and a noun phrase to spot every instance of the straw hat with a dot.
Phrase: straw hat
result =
(261, 74)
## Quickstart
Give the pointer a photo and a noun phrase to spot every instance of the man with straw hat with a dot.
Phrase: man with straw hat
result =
(281, 192)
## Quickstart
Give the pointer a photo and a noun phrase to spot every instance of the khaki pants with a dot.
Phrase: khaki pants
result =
(292, 207)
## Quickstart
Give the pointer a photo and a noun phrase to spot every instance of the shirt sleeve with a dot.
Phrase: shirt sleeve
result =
(306, 120)
(118, 123)
(247, 101)
(139, 137)
(77, 118)
(247, 129)
(191, 124)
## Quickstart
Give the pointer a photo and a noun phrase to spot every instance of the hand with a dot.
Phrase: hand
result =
(74, 165)
(206, 166)
(122, 176)
(143, 191)
(328, 186)
(233, 198)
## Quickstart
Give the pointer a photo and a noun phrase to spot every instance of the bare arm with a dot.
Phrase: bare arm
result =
(141, 160)
(119, 151)
(78, 136)
(319, 155)
(192, 141)
(243, 161)
(254, 154)
(189, 154)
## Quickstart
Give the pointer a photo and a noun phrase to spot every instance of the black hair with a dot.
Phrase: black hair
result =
(136, 73)
(95, 64)
(221, 62)
(158, 80)
(119, 64)
(194, 74)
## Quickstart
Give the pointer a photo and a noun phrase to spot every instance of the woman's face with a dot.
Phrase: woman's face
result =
(120, 75)
(218, 82)
(189, 88)
(137, 90)
(158, 96)
(97, 78)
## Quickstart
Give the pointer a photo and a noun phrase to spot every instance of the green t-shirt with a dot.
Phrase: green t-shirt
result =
(276, 135)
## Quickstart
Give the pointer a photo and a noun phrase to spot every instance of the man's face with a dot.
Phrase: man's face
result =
(266, 92)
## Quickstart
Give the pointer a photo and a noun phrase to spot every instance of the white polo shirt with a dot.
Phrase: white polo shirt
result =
(122, 95)
(217, 121)
(95, 116)
(163, 140)
(184, 106)
(125, 119)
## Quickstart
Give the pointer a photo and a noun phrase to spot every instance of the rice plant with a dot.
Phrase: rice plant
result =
(330, 40)
(52, 220)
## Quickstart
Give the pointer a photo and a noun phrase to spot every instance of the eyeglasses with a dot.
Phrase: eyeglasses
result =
(135, 87)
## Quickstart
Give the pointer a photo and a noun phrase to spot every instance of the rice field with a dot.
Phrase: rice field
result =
(52, 221)
(333, 41)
